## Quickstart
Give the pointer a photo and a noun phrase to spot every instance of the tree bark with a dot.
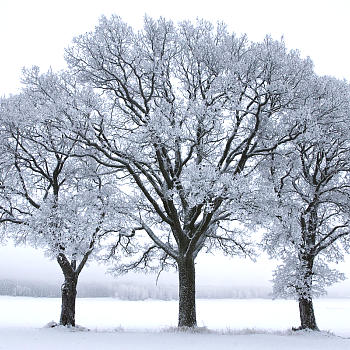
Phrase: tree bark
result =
(69, 294)
(307, 315)
(306, 308)
(187, 293)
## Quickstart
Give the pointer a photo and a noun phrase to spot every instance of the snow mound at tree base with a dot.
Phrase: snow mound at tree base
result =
(308, 331)
(77, 328)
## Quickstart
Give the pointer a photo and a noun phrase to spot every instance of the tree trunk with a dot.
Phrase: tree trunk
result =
(306, 308)
(69, 293)
(307, 315)
(187, 293)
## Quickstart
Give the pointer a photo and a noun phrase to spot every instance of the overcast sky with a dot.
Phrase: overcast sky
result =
(35, 32)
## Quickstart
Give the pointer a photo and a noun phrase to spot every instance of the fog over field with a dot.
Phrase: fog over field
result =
(238, 277)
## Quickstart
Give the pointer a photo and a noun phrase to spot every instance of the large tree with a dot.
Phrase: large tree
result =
(311, 181)
(189, 111)
(48, 198)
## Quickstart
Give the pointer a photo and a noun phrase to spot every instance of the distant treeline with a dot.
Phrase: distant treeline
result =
(128, 290)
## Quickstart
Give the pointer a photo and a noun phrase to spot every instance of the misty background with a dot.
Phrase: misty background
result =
(25, 271)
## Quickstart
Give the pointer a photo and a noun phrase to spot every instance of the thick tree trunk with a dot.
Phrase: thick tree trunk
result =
(69, 288)
(187, 293)
(307, 315)
(69, 293)
(306, 308)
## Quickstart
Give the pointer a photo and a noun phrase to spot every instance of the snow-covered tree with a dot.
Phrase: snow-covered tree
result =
(311, 181)
(189, 111)
(49, 198)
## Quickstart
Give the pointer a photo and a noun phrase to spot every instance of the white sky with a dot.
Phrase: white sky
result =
(35, 32)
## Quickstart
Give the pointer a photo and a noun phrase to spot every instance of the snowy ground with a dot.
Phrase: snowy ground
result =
(237, 324)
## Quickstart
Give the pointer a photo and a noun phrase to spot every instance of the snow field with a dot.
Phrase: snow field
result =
(58, 339)
(232, 324)
(218, 314)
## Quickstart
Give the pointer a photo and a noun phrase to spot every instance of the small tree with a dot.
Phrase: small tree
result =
(312, 185)
(189, 112)
(49, 198)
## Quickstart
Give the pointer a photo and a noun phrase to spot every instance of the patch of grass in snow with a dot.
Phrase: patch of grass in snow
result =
(247, 331)
(118, 329)
(228, 331)
(191, 330)
(252, 331)
(244, 331)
